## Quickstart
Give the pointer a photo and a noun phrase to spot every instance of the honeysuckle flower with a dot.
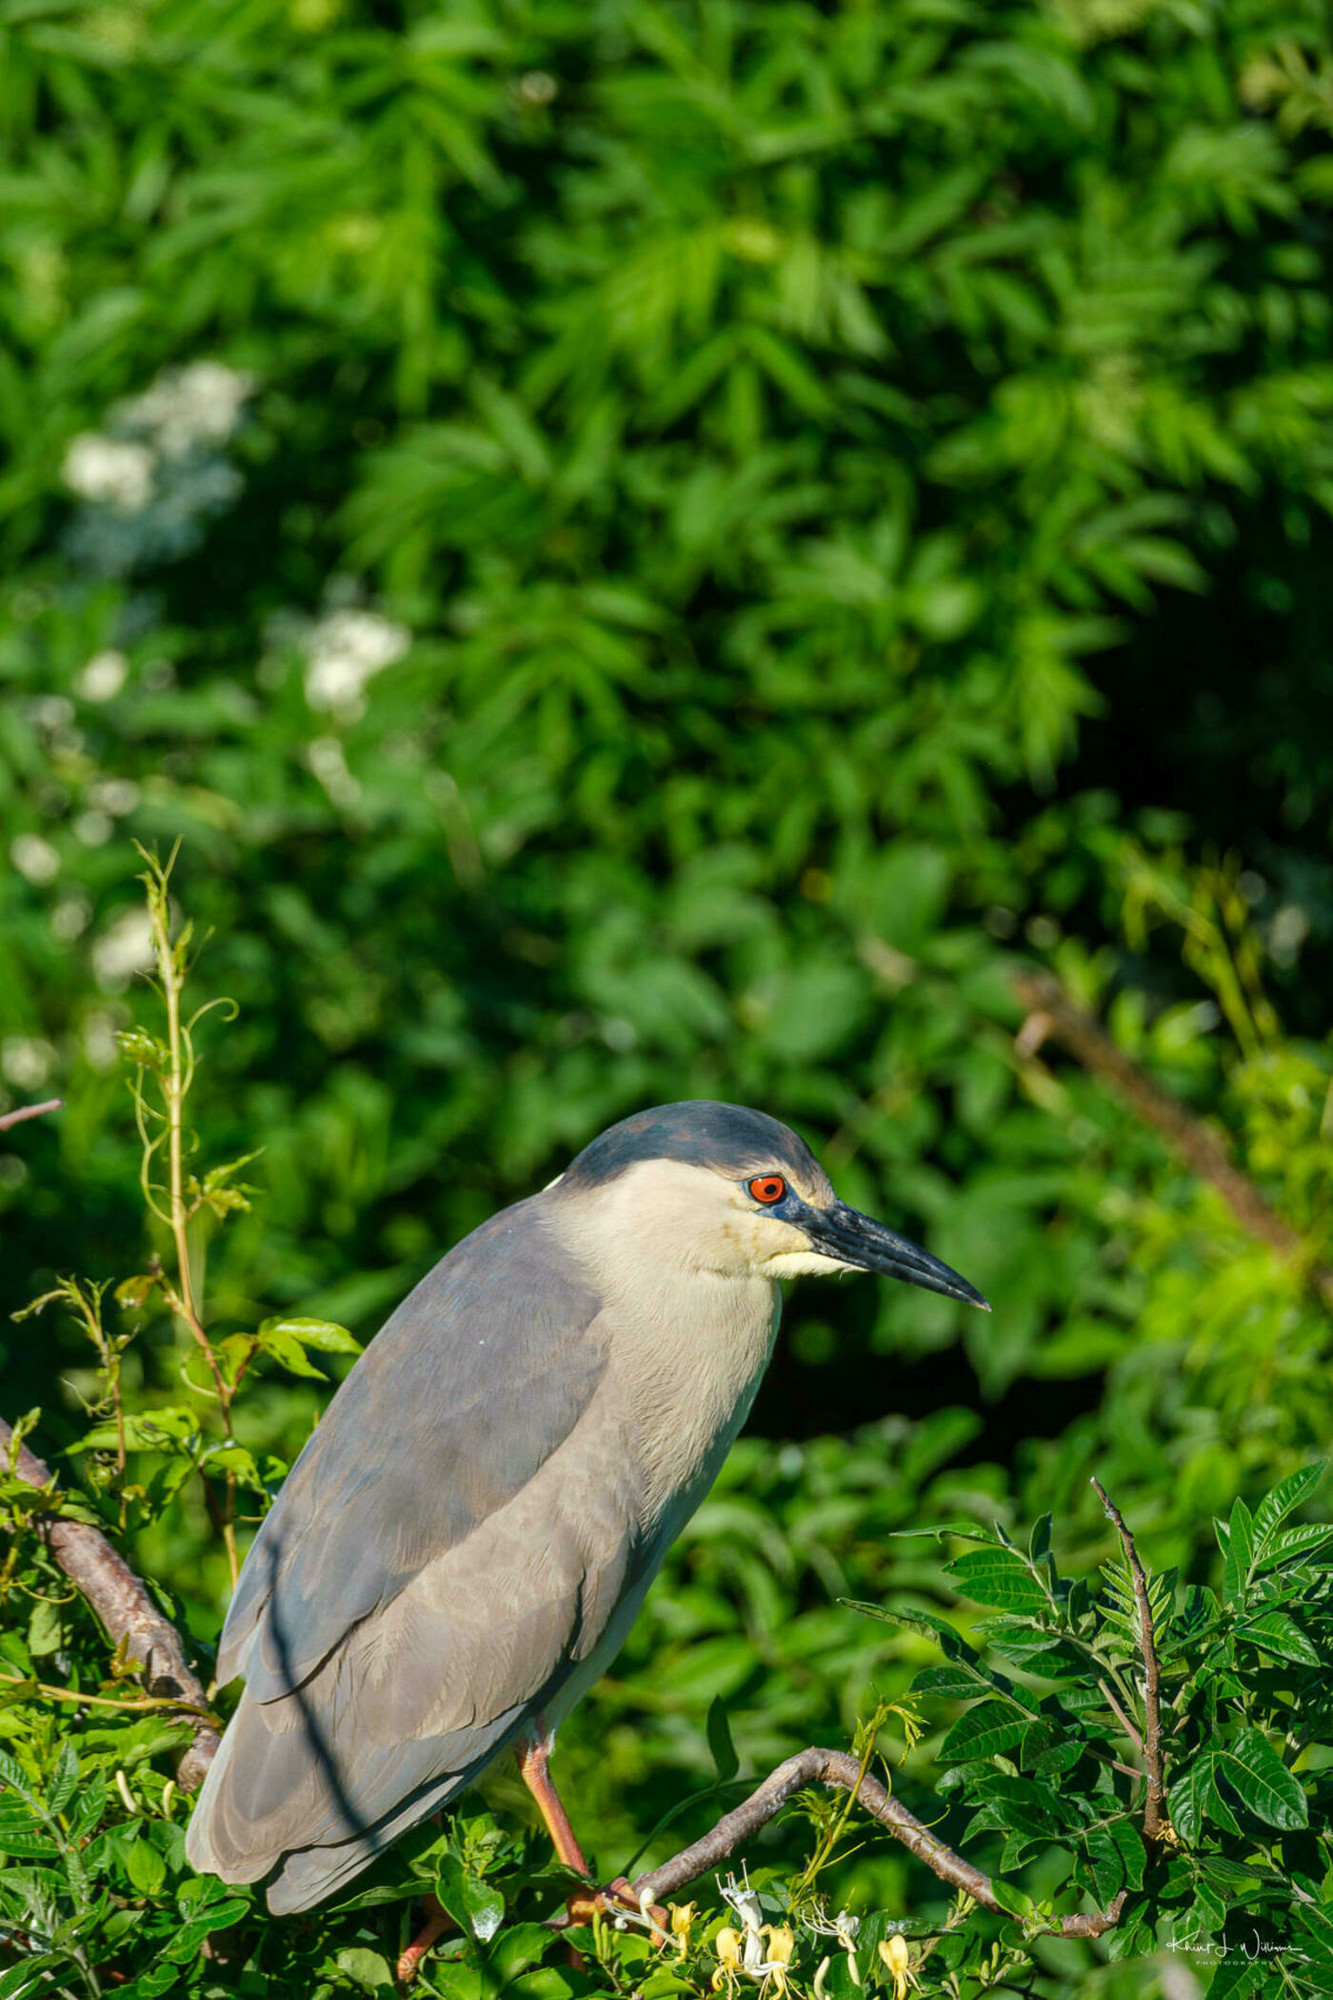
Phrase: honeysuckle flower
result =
(186, 408)
(727, 1945)
(743, 1901)
(761, 1952)
(898, 1961)
(623, 1916)
(34, 858)
(781, 1945)
(843, 1928)
(682, 1918)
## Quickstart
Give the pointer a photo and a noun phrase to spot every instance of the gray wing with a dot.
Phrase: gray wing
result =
(448, 1547)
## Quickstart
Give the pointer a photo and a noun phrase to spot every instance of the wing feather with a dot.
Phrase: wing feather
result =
(477, 1378)
(449, 1548)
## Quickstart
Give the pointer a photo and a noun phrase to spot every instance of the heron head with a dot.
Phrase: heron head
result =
(733, 1191)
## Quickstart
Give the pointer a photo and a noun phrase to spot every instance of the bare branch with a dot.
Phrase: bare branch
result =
(129, 1616)
(30, 1111)
(1156, 1824)
(1054, 1014)
(837, 1769)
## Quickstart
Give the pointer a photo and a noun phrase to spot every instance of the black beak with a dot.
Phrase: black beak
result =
(857, 1239)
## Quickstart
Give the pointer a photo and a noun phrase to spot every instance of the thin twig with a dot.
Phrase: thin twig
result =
(1156, 1824)
(175, 1085)
(1053, 1014)
(81, 1700)
(131, 1619)
(30, 1111)
(836, 1768)
(1124, 1722)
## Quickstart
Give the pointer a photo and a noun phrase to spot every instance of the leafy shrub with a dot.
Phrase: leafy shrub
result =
(1209, 1838)
(609, 629)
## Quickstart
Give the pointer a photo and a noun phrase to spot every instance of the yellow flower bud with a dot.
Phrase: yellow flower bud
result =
(727, 1945)
(682, 1919)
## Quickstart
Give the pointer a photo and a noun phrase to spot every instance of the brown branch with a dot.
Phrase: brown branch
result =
(1156, 1824)
(30, 1111)
(1125, 1724)
(837, 1769)
(130, 1618)
(1053, 1014)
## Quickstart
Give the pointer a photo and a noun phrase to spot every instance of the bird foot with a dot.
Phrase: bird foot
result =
(618, 1900)
(438, 1921)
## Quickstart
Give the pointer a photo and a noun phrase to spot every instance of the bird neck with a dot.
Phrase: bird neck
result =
(686, 1344)
(686, 1365)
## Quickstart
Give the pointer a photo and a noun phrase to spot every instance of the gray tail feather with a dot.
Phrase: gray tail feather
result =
(224, 1839)
(310, 1874)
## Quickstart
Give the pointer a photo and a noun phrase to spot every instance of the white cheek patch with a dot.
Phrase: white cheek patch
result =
(805, 1264)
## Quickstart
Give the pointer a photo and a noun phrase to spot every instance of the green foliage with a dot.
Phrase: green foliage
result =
(677, 471)
(607, 533)
(1220, 1374)
(1056, 1693)
(1053, 1693)
(1036, 1756)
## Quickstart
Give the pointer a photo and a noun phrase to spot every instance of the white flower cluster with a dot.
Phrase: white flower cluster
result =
(188, 407)
(27, 1061)
(35, 859)
(104, 676)
(110, 471)
(124, 948)
(156, 471)
(344, 650)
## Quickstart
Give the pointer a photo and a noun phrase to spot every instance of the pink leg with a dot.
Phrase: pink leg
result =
(437, 1922)
(532, 1754)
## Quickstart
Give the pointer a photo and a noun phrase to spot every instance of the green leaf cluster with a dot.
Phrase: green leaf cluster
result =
(1052, 1754)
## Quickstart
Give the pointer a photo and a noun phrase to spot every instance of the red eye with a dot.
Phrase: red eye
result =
(768, 1188)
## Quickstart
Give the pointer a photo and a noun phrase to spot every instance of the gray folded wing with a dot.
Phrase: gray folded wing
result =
(449, 1546)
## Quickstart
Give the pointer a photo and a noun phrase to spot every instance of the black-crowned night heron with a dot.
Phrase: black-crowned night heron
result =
(460, 1549)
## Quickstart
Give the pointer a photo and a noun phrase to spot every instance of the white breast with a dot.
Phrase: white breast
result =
(690, 1323)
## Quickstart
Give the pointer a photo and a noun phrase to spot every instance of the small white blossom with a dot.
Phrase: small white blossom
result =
(327, 760)
(1287, 933)
(104, 676)
(843, 1928)
(536, 87)
(343, 651)
(124, 948)
(71, 918)
(34, 858)
(94, 829)
(115, 796)
(52, 713)
(26, 1061)
(112, 470)
(186, 407)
